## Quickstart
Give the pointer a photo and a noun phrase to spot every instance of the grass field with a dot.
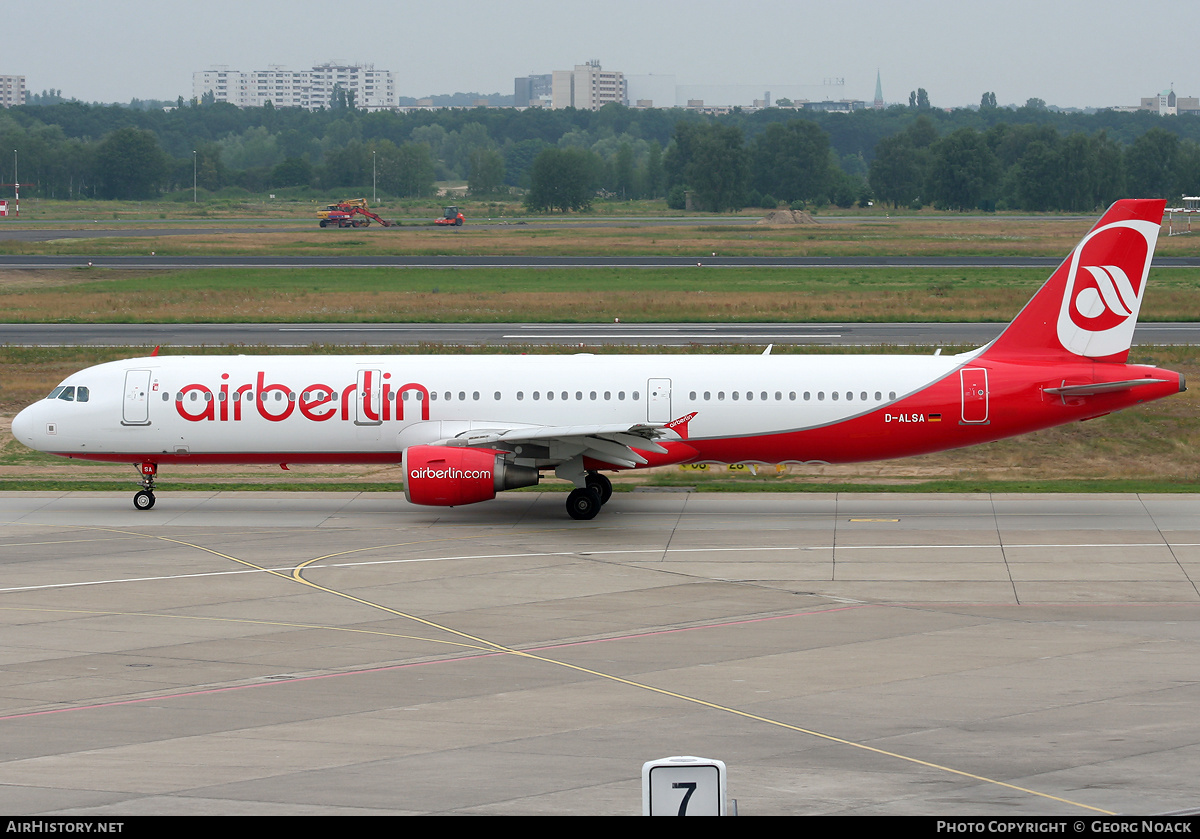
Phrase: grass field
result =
(588, 295)
(874, 234)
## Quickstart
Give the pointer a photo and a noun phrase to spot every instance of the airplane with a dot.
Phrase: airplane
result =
(467, 427)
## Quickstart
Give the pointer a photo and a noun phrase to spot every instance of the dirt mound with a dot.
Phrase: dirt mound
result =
(781, 217)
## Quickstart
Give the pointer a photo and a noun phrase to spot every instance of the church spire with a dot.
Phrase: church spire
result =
(878, 91)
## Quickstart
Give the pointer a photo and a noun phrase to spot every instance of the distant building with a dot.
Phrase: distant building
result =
(373, 90)
(878, 103)
(532, 91)
(12, 91)
(588, 87)
(841, 106)
(1168, 104)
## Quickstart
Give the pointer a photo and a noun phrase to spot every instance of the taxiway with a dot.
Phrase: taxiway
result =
(342, 653)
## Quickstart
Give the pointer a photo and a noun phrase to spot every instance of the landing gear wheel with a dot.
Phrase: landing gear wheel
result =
(601, 484)
(583, 504)
(143, 500)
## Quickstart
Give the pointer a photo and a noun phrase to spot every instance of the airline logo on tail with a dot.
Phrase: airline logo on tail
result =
(1104, 288)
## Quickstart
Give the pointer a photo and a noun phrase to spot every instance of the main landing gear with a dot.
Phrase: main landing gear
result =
(585, 502)
(144, 498)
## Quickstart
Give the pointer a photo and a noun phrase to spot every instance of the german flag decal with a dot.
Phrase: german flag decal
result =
(935, 417)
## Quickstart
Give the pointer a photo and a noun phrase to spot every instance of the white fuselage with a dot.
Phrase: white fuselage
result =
(318, 408)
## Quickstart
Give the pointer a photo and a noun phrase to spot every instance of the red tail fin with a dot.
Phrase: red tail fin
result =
(1089, 306)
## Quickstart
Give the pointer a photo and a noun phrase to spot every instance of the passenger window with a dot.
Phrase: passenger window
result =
(834, 395)
(550, 395)
(520, 395)
(878, 396)
(863, 396)
(166, 397)
(892, 394)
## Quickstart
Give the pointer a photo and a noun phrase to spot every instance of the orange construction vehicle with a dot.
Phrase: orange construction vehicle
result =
(452, 217)
(342, 214)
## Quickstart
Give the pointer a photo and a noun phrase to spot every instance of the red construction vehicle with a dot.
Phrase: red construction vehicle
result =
(342, 214)
(451, 218)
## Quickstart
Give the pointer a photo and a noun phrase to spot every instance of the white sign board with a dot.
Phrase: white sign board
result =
(683, 786)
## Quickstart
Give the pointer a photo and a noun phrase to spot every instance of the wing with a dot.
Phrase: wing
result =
(613, 443)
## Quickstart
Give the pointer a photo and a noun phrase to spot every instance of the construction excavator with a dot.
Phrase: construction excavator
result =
(344, 214)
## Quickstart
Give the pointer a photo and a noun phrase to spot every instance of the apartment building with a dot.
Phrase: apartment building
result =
(588, 87)
(374, 90)
(12, 91)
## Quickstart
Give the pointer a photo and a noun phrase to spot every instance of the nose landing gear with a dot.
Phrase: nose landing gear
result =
(144, 498)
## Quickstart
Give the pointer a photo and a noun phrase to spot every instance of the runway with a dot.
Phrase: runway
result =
(305, 335)
(344, 653)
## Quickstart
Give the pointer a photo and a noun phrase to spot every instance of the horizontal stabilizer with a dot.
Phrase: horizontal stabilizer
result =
(1101, 387)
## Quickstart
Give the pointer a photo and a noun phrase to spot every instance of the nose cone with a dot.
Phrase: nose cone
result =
(27, 427)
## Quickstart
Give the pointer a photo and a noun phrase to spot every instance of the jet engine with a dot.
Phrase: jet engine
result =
(447, 476)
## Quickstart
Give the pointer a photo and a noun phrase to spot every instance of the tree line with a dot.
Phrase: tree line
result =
(993, 158)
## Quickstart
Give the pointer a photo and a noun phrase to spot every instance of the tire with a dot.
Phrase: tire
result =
(601, 484)
(143, 500)
(583, 504)
(458, 222)
(324, 223)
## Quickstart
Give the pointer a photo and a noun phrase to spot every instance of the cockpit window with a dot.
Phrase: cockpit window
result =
(69, 393)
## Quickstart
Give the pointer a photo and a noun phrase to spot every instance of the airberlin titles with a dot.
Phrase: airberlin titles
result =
(317, 402)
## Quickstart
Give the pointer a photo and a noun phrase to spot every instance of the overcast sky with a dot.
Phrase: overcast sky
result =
(1072, 53)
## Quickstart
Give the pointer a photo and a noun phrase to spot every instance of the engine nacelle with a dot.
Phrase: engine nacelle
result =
(447, 476)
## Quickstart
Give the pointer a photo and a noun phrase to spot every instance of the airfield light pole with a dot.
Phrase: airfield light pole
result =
(194, 176)
(373, 201)
(16, 188)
